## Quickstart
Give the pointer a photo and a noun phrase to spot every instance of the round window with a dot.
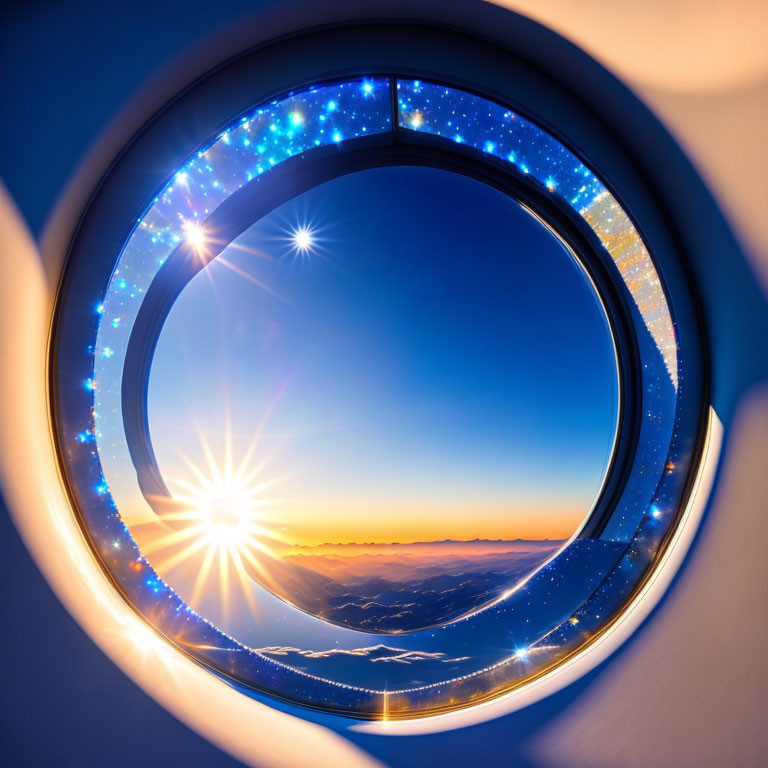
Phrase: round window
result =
(378, 402)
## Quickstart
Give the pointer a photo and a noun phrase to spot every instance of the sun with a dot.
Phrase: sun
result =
(223, 514)
(219, 520)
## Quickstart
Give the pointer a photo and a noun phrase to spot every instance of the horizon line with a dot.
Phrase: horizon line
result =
(407, 543)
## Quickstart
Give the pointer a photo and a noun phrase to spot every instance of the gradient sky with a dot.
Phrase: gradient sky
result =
(438, 368)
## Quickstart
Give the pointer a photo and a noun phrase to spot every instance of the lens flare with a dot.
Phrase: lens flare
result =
(195, 235)
(217, 524)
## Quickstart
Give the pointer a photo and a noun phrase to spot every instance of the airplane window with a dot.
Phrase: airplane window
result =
(380, 407)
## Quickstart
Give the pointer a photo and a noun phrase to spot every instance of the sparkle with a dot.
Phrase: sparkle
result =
(303, 240)
(194, 234)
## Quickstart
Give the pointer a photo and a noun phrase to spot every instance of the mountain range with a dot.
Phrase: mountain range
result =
(400, 587)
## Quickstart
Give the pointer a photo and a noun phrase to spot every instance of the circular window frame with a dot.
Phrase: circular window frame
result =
(137, 167)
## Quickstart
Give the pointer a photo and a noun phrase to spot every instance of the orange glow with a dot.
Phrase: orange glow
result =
(400, 522)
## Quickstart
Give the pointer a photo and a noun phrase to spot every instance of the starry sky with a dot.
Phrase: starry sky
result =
(416, 374)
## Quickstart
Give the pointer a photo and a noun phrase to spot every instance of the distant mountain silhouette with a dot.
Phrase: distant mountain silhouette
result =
(396, 588)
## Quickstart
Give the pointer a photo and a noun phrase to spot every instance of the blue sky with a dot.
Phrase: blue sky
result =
(437, 366)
